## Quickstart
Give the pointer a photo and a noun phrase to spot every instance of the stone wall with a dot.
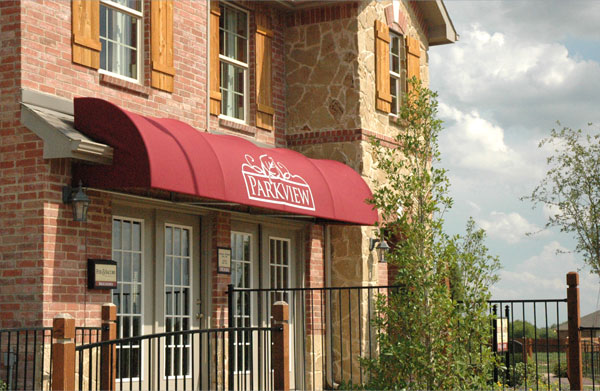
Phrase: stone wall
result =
(369, 11)
(321, 71)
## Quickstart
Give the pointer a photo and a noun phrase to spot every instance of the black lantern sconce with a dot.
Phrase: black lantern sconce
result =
(382, 248)
(79, 201)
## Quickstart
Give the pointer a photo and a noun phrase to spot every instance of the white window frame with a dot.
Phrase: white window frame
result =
(396, 77)
(142, 284)
(139, 15)
(190, 316)
(245, 66)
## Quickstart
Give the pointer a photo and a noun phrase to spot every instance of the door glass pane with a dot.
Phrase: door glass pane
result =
(178, 257)
(241, 265)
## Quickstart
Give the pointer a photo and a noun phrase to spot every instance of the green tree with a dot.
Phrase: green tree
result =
(428, 339)
(571, 189)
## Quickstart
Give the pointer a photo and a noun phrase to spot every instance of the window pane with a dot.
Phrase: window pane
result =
(137, 237)
(186, 242)
(126, 237)
(126, 267)
(394, 94)
(177, 241)
(233, 26)
(232, 90)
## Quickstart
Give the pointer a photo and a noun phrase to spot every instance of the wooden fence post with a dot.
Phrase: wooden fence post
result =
(63, 353)
(281, 350)
(108, 353)
(575, 373)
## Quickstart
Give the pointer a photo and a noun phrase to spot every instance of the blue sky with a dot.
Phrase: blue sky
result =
(518, 67)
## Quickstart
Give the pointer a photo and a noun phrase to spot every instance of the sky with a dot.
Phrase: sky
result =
(518, 67)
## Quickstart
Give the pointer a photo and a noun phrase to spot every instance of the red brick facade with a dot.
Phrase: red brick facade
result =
(43, 252)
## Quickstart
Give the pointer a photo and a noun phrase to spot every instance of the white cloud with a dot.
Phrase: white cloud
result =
(515, 82)
(543, 276)
(472, 142)
(511, 228)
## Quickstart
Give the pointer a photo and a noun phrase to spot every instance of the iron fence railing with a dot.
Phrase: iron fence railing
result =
(590, 355)
(527, 339)
(179, 360)
(331, 329)
(26, 356)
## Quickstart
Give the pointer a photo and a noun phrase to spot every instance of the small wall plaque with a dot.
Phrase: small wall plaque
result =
(102, 274)
(224, 258)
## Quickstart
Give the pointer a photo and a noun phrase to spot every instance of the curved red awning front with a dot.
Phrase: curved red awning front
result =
(170, 155)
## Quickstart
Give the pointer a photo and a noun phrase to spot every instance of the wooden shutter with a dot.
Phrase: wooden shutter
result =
(161, 25)
(413, 58)
(215, 64)
(85, 15)
(264, 91)
(382, 67)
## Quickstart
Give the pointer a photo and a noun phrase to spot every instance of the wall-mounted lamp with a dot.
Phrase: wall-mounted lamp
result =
(78, 199)
(382, 248)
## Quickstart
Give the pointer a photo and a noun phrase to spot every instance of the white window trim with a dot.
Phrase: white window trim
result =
(142, 248)
(191, 317)
(140, 41)
(240, 64)
(396, 76)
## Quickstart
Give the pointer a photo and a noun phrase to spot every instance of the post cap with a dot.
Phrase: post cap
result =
(572, 279)
(63, 326)
(280, 311)
(109, 312)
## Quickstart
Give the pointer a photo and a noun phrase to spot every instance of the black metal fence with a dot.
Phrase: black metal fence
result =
(590, 356)
(26, 356)
(181, 360)
(527, 339)
(330, 329)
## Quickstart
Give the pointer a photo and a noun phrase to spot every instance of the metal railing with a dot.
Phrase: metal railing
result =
(526, 338)
(330, 329)
(590, 355)
(179, 360)
(26, 356)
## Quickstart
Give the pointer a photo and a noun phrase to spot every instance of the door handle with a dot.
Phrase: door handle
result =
(199, 316)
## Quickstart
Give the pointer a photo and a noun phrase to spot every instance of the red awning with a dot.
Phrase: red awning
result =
(170, 155)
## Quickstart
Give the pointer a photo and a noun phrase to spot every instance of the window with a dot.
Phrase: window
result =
(395, 72)
(127, 252)
(121, 38)
(233, 56)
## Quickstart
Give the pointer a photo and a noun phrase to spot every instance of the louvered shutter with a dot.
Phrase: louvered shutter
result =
(413, 58)
(161, 27)
(215, 65)
(264, 91)
(382, 67)
(85, 19)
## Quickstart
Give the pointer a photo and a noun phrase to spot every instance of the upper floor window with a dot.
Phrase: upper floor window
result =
(233, 56)
(120, 35)
(395, 72)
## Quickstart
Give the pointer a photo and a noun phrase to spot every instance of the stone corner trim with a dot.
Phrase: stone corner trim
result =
(322, 14)
(337, 136)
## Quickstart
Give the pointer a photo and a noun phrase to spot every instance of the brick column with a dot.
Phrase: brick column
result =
(315, 305)
(221, 237)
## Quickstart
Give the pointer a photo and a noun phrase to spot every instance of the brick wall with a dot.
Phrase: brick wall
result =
(221, 237)
(314, 277)
(47, 64)
(277, 136)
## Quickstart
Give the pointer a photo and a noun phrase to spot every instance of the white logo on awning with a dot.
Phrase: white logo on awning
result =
(271, 182)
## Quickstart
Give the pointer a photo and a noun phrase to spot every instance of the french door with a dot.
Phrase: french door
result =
(262, 257)
(158, 291)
